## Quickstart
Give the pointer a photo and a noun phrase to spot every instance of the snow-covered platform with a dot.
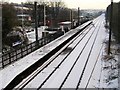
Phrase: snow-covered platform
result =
(11, 71)
(79, 65)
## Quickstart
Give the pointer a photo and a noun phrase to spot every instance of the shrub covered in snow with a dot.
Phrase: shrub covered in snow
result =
(16, 37)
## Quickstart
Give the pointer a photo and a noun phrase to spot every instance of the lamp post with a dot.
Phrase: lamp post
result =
(36, 21)
(78, 16)
(71, 18)
(111, 14)
(44, 15)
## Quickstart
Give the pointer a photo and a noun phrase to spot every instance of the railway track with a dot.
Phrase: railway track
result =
(60, 63)
(95, 63)
(58, 53)
(70, 68)
(87, 59)
(19, 78)
(27, 81)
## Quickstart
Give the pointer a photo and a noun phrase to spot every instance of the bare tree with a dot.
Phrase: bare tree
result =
(58, 3)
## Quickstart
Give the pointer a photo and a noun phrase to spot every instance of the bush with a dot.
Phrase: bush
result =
(9, 18)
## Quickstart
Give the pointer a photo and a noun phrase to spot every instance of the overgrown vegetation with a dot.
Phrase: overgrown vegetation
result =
(10, 33)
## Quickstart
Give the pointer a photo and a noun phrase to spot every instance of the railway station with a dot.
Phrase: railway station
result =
(70, 61)
(60, 44)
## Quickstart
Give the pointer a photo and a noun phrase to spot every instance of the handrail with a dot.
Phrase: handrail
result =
(13, 55)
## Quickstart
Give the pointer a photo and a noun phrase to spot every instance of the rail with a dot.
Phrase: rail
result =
(37, 64)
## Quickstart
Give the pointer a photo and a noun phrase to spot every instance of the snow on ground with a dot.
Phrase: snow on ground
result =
(110, 68)
(107, 68)
(119, 67)
(94, 60)
(67, 64)
(58, 76)
(105, 74)
(31, 35)
(11, 71)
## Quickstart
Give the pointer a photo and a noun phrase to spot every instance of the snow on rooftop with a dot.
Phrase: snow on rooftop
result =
(22, 8)
(65, 23)
(31, 35)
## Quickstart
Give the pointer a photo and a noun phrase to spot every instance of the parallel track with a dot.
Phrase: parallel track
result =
(22, 85)
(73, 64)
(35, 68)
(29, 78)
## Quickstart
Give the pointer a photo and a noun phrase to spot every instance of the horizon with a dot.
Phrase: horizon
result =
(83, 4)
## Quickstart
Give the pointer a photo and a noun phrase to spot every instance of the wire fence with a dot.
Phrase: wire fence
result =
(13, 55)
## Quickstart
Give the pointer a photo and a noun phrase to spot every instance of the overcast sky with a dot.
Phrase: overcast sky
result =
(83, 4)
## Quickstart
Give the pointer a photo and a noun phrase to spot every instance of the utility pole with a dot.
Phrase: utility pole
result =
(22, 14)
(36, 21)
(118, 21)
(71, 18)
(110, 31)
(44, 15)
(78, 16)
(70, 15)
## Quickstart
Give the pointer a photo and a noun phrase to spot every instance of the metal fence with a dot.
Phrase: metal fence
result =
(14, 55)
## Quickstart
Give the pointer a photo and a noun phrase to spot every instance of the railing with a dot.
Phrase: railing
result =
(14, 55)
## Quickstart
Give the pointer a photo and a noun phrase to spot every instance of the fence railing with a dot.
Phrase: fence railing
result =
(14, 55)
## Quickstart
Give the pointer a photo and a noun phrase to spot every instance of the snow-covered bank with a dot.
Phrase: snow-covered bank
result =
(110, 65)
(107, 71)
